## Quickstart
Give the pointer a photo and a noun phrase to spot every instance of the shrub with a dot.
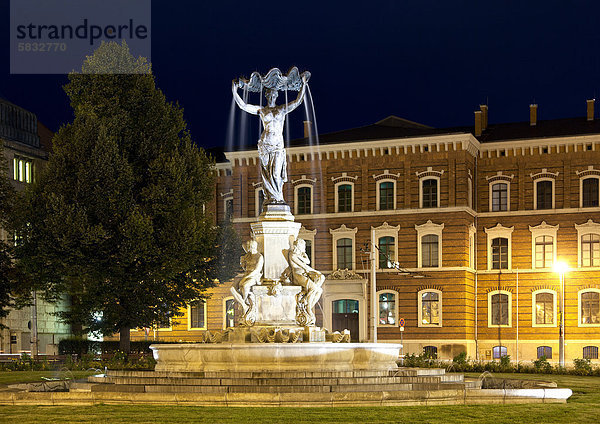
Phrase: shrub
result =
(542, 365)
(582, 366)
(460, 359)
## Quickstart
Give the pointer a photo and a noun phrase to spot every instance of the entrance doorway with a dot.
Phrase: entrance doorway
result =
(344, 316)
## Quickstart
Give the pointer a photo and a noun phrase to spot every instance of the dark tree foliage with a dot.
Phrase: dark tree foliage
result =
(117, 218)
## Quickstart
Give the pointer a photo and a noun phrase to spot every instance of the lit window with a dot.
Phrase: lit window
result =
(590, 307)
(230, 313)
(430, 251)
(304, 201)
(500, 306)
(386, 252)
(430, 193)
(590, 192)
(544, 308)
(544, 194)
(544, 255)
(387, 309)
(430, 307)
(196, 314)
(22, 169)
(386, 195)
(344, 253)
(499, 197)
(590, 250)
(344, 193)
(590, 352)
(500, 253)
(499, 351)
(345, 306)
(545, 351)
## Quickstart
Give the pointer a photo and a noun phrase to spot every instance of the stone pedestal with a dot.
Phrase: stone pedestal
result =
(273, 238)
(278, 309)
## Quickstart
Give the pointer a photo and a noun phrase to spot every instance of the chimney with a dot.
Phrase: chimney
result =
(484, 117)
(307, 125)
(590, 109)
(478, 120)
(533, 115)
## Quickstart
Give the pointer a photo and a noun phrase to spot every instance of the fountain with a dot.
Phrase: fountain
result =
(279, 289)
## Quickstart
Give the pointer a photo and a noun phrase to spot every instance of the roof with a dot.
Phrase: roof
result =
(394, 127)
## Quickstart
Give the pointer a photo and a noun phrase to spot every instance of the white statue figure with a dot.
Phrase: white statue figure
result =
(252, 263)
(300, 273)
(271, 149)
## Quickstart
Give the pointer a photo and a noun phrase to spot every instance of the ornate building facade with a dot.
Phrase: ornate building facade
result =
(467, 225)
(26, 144)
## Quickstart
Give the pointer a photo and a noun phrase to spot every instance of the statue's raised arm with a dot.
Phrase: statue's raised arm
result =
(295, 103)
(252, 109)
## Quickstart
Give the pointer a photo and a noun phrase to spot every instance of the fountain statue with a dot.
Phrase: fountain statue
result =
(271, 151)
(278, 290)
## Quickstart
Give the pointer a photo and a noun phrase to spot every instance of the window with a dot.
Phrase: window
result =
(430, 193)
(545, 351)
(309, 250)
(345, 306)
(344, 253)
(500, 253)
(304, 203)
(197, 314)
(430, 352)
(590, 352)
(386, 195)
(430, 308)
(544, 256)
(228, 209)
(590, 250)
(387, 308)
(22, 169)
(429, 244)
(260, 200)
(472, 232)
(429, 249)
(386, 252)
(309, 238)
(589, 306)
(589, 192)
(544, 194)
(544, 309)
(499, 197)
(230, 313)
(498, 352)
(499, 308)
(344, 198)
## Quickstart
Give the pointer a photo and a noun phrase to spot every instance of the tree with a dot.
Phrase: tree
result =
(7, 195)
(117, 218)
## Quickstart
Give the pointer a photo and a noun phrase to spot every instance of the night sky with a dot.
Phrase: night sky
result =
(432, 62)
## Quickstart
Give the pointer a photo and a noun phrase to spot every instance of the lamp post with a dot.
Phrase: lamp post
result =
(561, 268)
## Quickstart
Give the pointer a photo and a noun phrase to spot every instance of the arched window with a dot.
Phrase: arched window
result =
(500, 253)
(499, 308)
(544, 196)
(498, 352)
(589, 307)
(430, 193)
(344, 198)
(430, 308)
(304, 200)
(544, 308)
(387, 308)
(386, 252)
(430, 352)
(387, 195)
(344, 253)
(590, 250)
(589, 192)
(545, 351)
(499, 197)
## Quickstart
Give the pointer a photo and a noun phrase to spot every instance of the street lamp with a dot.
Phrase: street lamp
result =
(561, 268)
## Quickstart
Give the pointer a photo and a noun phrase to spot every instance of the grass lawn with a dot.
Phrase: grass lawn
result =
(13, 377)
(583, 407)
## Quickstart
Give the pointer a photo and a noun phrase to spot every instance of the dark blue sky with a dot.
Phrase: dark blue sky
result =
(432, 62)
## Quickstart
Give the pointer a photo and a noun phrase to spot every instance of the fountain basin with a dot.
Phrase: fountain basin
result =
(275, 356)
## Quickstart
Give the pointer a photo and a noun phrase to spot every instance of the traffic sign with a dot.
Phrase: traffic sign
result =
(401, 322)
(401, 328)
